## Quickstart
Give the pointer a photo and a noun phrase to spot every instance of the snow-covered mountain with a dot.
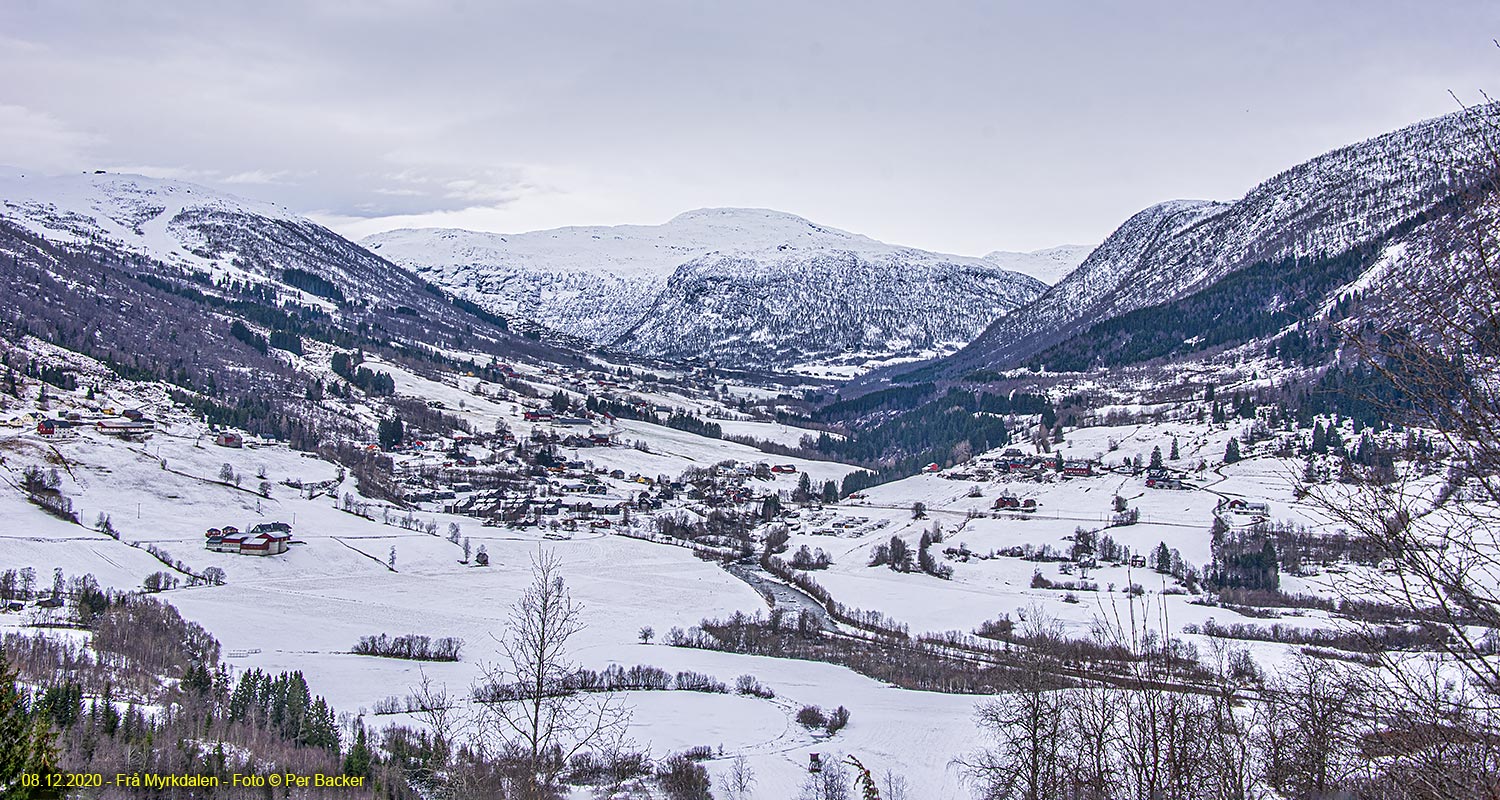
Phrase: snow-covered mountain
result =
(1048, 265)
(241, 301)
(1342, 199)
(748, 287)
(174, 226)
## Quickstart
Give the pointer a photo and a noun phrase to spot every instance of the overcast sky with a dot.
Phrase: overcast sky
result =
(960, 127)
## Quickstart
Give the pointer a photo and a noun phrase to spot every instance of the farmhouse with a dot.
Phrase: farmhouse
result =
(229, 439)
(126, 427)
(265, 539)
(1248, 508)
(1078, 468)
(54, 428)
(1161, 478)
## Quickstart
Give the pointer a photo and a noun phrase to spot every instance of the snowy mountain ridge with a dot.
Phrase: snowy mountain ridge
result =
(1345, 198)
(1048, 265)
(149, 216)
(752, 287)
(179, 229)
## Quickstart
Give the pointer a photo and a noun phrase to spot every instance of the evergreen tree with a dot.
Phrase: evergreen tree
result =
(27, 741)
(770, 507)
(1175, 454)
(359, 759)
(830, 492)
(1161, 558)
(390, 432)
(1232, 451)
(899, 555)
(1156, 461)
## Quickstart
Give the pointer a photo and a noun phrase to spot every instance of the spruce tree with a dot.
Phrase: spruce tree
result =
(27, 741)
(358, 761)
(1232, 451)
(1161, 558)
(1175, 454)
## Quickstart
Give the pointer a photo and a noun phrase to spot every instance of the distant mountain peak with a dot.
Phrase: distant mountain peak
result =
(1047, 265)
(735, 214)
(750, 286)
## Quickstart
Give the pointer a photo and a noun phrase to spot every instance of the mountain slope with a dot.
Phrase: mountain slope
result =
(215, 237)
(1339, 201)
(750, 287)
(241, 304)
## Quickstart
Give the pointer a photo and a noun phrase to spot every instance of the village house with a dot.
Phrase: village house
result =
(126, 427)
(1078, 468)
(265, 539)
(1248, 508)
(54, 428)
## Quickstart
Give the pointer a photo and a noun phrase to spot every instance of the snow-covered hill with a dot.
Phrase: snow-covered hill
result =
(1342, 199)
(749, 287)
(242, 302)
(199, 231)
(1049, 265)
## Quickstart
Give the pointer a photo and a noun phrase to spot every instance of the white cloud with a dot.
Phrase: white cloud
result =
(258, 177)
(963, 127)
(38, 140)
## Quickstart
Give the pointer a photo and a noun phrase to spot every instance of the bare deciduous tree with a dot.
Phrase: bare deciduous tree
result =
(738, 782)
(1431, 344)
(535, 716)
(829, 783)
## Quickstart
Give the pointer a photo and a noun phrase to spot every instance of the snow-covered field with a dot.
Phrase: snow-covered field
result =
(305, 609)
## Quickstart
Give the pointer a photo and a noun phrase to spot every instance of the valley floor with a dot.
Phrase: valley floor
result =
(348, 576)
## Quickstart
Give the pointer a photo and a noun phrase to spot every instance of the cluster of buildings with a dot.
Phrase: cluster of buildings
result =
(131, 423)
(1009, 502)
(1014, 463)
(265, 539)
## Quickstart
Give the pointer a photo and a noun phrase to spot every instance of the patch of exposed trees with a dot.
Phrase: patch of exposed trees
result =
(413, 647)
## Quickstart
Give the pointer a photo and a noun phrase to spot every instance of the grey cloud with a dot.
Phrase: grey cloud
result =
(960, 126)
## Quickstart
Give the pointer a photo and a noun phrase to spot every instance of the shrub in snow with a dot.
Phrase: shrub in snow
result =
(811, 717)
(681, 778)
(689, 681)
(750, 685)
